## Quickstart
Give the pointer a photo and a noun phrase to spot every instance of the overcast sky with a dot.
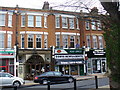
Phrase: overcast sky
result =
(56, 4)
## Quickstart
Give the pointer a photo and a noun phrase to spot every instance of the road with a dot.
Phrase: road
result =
(84, 85)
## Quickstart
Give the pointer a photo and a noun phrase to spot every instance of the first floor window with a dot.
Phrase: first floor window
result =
(100, 38)
(64, 22)
(9, 20)
(72, 41)
(38, 21)
(57, 22)
(30, 41)
(9, 40)
(1, 40)
(95, 44)
(38, 41)
(87, 24)
(22, 41)
(45, 41)
(71, 23)
(65, 41)
(58, 41)
(88, 41)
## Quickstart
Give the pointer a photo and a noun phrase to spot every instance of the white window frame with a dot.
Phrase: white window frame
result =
(87, 25)
(93, 25)
(9, 20)
(45, 41)
(30, 21)
(23, 21)
(77, 23)
(88, 41)
(38, 21)
(64, 22)
(100, 38)
(2, 19)
(71, 23)
(39, 36)
(45, 21)
(95, 44)
(58, 41)
(99, 26)
(57, 22)
(32, 37)
(22, 41)
(65, 41)
(72, 40)
(2, 40)
(9, 44)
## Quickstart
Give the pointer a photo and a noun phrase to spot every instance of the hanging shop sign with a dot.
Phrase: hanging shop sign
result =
(7, 53)
(96, 53)
(69, 51)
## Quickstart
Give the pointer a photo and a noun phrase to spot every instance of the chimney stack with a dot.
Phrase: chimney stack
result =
(46, 6)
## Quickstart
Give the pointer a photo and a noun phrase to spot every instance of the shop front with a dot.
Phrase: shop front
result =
(96, 61)
(7, 61)
(70, 61)
(33, 62)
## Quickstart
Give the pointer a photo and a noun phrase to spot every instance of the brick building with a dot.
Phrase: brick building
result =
(45, 39)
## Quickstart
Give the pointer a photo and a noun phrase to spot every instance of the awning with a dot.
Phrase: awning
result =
(69, 62)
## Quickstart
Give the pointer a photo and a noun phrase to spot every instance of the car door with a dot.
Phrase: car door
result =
(50, 76)
(0, 79)
(59, 77)
(7, 79)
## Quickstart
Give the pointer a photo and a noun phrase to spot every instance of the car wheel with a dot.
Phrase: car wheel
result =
(70, 80)
(45, 82)
(17, 83)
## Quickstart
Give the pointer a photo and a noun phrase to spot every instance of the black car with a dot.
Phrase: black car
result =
(53, 77)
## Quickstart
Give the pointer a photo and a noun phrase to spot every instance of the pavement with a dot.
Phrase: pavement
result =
(77, 77)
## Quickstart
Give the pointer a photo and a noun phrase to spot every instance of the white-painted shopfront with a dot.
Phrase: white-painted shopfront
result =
(70, 61)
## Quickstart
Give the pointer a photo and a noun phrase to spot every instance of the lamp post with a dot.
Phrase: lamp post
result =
(16, 41)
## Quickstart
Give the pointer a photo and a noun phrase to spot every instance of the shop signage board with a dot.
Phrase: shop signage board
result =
(69, 51)
(7, 53)
(96, 53)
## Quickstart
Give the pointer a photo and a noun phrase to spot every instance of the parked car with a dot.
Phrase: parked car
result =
(53, 77)
(7, 79)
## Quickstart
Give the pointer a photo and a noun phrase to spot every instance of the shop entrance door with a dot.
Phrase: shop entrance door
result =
(81, 70)
(103, 67)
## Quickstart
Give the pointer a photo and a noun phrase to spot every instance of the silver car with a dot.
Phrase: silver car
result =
(6, 79)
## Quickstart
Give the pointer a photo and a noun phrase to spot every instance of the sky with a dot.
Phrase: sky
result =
(67, 5)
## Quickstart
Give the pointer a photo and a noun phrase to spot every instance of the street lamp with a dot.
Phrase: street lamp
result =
(16, 41)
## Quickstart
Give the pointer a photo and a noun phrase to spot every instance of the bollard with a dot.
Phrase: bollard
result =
(75, 84)
(15, 87)
(96, 82)
(48, 85)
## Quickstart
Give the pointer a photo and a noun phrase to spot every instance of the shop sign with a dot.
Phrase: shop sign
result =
(7, 53)
(68, 51)
(69, 56)
(99, 52)
(72, 62)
